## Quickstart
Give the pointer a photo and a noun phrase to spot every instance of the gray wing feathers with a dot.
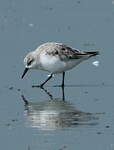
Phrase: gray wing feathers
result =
(64, 52)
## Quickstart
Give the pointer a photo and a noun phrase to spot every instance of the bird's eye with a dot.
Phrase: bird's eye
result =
(56, 52)
(29, 61)
(63, 48)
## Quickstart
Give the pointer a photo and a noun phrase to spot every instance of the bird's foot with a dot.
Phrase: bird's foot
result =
(38, 86)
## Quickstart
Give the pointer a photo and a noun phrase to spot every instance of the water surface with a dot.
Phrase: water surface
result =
(33, 118)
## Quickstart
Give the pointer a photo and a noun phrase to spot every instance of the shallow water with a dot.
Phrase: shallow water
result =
(82, 115)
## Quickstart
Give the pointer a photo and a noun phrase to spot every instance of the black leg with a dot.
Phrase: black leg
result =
(41, 85)
(63, 94)
(63, 79)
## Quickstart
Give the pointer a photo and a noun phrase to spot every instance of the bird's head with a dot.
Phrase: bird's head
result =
(29, 62)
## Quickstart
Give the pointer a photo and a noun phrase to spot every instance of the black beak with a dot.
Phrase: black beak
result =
(25, 71)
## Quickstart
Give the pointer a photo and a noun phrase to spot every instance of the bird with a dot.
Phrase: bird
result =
(55, 58)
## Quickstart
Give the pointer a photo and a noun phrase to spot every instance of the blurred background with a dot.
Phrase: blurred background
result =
(85, 25)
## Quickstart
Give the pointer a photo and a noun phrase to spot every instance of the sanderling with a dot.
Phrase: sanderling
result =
(55, 58)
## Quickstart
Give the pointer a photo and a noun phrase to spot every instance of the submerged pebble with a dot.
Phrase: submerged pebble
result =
(11, 88)
(19, 90)
(107, 126)
(99, 132)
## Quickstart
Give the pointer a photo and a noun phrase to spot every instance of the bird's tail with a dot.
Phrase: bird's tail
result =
(93, 53)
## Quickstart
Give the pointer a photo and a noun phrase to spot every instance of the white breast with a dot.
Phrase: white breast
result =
(55, 65)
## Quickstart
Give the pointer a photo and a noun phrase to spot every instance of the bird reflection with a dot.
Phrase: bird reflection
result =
(56, 113)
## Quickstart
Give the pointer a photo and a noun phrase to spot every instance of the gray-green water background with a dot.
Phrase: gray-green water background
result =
(86, 119)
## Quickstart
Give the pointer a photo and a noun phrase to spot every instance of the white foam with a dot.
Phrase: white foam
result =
(96, 63)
